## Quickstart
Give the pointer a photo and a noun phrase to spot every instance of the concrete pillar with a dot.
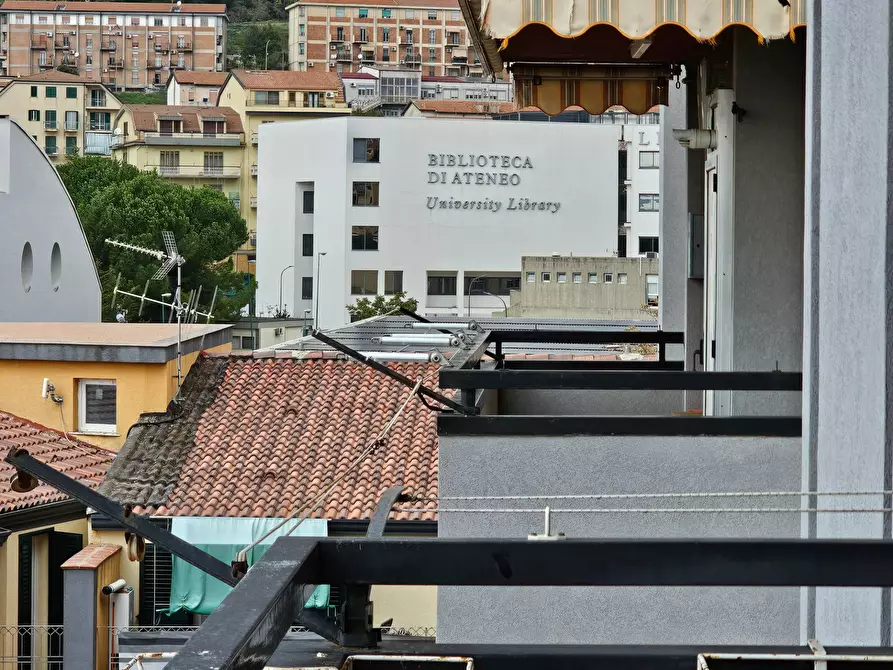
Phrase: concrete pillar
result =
(848, 319)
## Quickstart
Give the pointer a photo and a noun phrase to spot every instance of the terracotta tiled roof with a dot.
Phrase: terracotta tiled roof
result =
(426, 4)
(57, 75)
(91, 557)
(145, 117)
(288, 80)
(464, 106)
(96, 7)
(82, 461)
(444, 78)
(357, 75)
(200, 77)
(262, 437)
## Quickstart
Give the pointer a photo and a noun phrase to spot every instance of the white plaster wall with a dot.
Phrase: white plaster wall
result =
(645, 224)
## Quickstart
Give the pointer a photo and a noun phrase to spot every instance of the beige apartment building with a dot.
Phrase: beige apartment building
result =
(124, 45)
(194, 87)
(65, 114)
(344, 35)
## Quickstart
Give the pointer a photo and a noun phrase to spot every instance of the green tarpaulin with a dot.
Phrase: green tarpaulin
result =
(195, 591)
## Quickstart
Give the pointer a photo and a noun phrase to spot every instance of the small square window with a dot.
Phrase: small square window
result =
(622, 278)
(34, 115)
(50, 92)
(547, 277)
(609, 278)
(97, 406)
(649, 160)
(531, 277)
(410, 13)
(593, 277)
(577, 277)
(365, 194)
(364, 13)
(340, 12)
(385, 13)
(562, 277)
(649, 202)
(364, 282)
(455, 15)
(366, 150)
(364, 238)
(71, 92)
(393, 282)
(432, 14)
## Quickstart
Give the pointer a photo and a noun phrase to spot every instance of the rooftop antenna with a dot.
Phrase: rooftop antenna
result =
(170, 258)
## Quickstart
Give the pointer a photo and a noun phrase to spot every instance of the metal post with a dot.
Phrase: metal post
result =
(280, 289)
(179, 307)
(319, 256)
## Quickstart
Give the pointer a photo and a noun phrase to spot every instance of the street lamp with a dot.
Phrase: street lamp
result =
(304, 329)
(318, 261)
(505, 307)
(470, 290)
(164, 296)
(280, 288)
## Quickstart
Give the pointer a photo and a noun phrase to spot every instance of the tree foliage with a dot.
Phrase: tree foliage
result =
(68, 69)
(137, 98)
(116, 201)
(380, 305)
(249, 44)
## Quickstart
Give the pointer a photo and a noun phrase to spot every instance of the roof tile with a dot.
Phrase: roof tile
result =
(145, 117)
(122, 7)
(289, 80)
(464, 106)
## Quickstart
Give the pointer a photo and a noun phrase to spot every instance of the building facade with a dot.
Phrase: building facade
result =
(343, 35)
(394, 208)
(65, 114)
(194, 87)
(122, 45)
(456, 109)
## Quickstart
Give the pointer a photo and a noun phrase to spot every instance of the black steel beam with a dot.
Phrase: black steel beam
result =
(570, 364)
(621, 379)
(665, 426)
(245, 630)
(469, 358)
(589, 336)
(142, 526)
(623, 562)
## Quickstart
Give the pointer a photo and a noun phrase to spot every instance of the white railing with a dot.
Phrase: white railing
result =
(31, 647)
(225, 172)
(196, 137)
(366, 102)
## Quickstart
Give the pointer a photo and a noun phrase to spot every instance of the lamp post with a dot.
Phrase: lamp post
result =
(470, 290)
(317, 293)
(304, 329)
(280, 288)
(505, 307)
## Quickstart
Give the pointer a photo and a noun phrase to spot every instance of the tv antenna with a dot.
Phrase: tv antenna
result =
(169, 258)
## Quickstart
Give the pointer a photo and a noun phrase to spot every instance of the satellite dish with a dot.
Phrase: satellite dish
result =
(118, 132)
(179, 2)
(76, 54)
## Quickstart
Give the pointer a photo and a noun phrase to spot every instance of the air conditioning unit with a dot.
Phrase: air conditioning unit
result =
(152, 36)
(49, 33)
(403, 62)
(72, 32)
(105, 69)
(449, 50)
(353, 84)
(330, 94)
(439, 88)
(651, 254)
(334, 47)
(310, 64)
(278, 331)
(119, 33)
(394, 49)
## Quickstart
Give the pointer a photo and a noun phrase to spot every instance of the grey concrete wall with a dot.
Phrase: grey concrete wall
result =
(36, 214)
(79, 641)
(768, 235)
(848, 348)
(603, 403)
(542, 466)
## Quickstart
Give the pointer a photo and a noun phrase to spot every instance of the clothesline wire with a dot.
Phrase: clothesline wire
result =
(625, 496)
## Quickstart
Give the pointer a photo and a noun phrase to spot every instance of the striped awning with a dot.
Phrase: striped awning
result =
(604, 30)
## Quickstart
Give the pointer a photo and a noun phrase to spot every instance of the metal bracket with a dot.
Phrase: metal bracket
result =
(383, 510)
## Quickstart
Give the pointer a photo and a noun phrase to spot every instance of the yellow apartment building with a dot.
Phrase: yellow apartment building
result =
(272, 96)
(65, 114)
(100, 376)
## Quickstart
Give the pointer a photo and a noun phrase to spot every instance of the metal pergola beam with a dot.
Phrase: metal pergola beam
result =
(621, 379)
(588, 336)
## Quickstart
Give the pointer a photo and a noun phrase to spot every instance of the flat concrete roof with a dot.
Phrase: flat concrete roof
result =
(106, 342)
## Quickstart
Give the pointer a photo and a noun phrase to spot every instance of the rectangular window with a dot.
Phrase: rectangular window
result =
(181, 60)
(41, 20)
(301, 30)
(649, 202)
(364, 282)
(157, 21)
(169, 163)
(266, 97)
(651, 287)
(409, 36)
(339, 33)
(49, 145)
(71, 146)
(307, 244)
(97, 406)
(362, 34)
(203, 22)
(301, 49)
(547, 277)
(365, 149)
(100, 121)
(365, 194)
(71, 120)
(364, 14)
(441, 285)
(66, 20)
(432, 14)
(89, 59)
(432, 54)
(593, 277)
(89, 42)
(134, 21)
(364, 238)
(213, 163)
(307, 288)
(50, 92)
(455, 15)
(609, 278)
(308, 202)
(431, 37)
(562, 277)
(34, 115)
(648, 245)
(577, 277)
(33, 91)
(385, 13)
(135, 77)
(410, 14)
(393, 282)
(649, 160)
(49, 119)
(71, 92)
(88, 20)
(622, 278)
(531, 277)
(340, 12)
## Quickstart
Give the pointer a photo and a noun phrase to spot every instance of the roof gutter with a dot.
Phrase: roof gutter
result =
(471, 12)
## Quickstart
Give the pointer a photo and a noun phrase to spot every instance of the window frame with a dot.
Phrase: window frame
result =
(546, 277)
(34, 115)
(645, 198)
(371, 187)
(432, 14)
(340, 12)
(372, 148)
(47, 92)
(649, 241)
(655, 160)
(592, 278)
(95, 428)
(609, 277)
(561, 277)
(34, 91)
(369, 236)
(363, 13)
(442, 280)
(386, 14)
(306, 282)
(305, 199)
(530, 277)
(307, 244)
(622, 278)
(576, 277)
(393, 275)
(365, 289)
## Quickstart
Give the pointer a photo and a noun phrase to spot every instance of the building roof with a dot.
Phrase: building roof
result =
(260, 437)
(108, 342)
(145, 117)
(56, 75)
(199, 77)
(424, 4)
(81, 461)
(483, 107)
(121, 7)
(288, 80)
(357, 75)
(445, 78)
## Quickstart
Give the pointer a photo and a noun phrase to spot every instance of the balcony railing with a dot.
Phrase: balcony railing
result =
(108, 45)
(199, 139)
(50, 125)
(116, 62)
(343, 55)
(51, 151)
(200, 171)
(183, 46)
(39, 41)
(97, 101)
(72, 126)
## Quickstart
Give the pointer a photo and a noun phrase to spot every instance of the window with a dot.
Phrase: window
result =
(157, 21)
(203, 22)
(593, 277)
(609, 278)
(364, 13)
(97, 406)
(432, 55)
(88, 20)
(409, 36)
(301, 30)
(365, 149)
(385, 54)
(170, 163)
(393, 282)
(266, 97)
(432, 34)
(562, 277)
(100, 121)
(649, 159)
(307, 288)
(362, 34)
(313, 99)
(385, 13)
(577, 277)
(340, 12)
(181, 60)
(66, 20)
(648, 245)
(364, 282)
(33, 91)
(71, 146)
(135, 77)
(49, 145)
(89, 42)
(531, 277)
(181, 21)
(364, 238)
(308, 202)
(651, 287)
(410, 14)
(339, 33)
(649, 202)
(50, 92)
(365, 194)
(34, 115)
(547, 277)
(432, 13)
(307, 244)
(428, 93)
(441, 285)
(49, 119)
(622, 278)
(213, 163)
(494, 285)
(455, 15)
(71, 120)
(134, 21)
(89, 59)
(71, 92)
(41, 20)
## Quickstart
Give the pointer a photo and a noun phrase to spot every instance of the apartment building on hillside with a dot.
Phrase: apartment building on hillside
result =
(344, 35)
(65, 114)
(124, 45)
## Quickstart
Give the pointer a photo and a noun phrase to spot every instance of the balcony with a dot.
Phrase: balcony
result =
(194, 139)
(155, 64)
(98, 101)
(184, 46)
(412, 58)
(254, 170)
(39, 41)
(116, 62)
(162, 47)
(108, 45)
(343, 55)
(200, 171)
(338, 39)
(63, 43)
(252, 201)
(359, 38)
(50, 125)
